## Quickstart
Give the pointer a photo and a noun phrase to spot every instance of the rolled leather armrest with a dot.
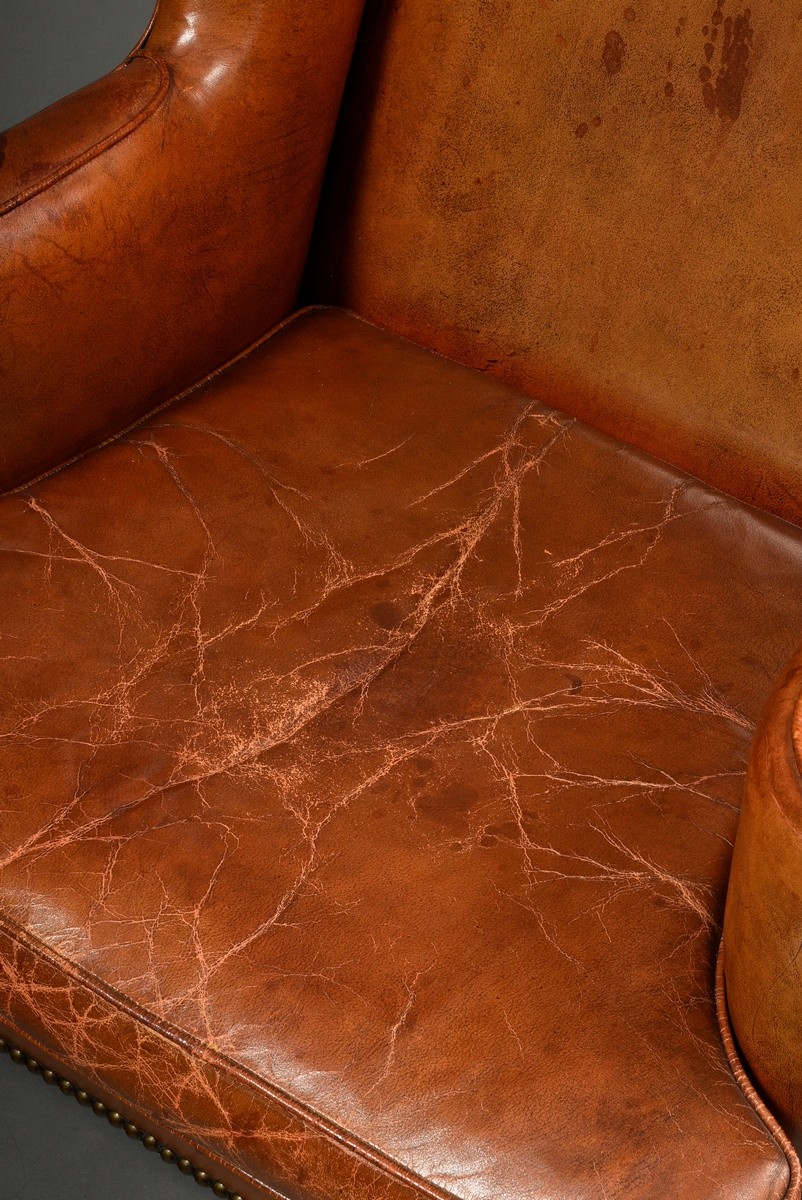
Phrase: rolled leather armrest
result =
(156, 223)
(763, 920)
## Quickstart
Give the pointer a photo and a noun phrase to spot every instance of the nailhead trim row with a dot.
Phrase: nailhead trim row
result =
(118, 1121)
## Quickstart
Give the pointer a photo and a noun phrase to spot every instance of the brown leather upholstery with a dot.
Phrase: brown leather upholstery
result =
(179, 195)
(596, 201)
(372, 746)
(42, 151)
(372, 738)
(764, 905)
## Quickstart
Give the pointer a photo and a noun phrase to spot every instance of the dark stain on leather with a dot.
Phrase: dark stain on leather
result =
(580, 132)
(505, 829)
(386, 614)
(725, 95)
(629, 13)
(449, 804)
(613, 52)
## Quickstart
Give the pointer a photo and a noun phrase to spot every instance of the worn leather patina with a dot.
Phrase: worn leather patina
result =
(601, 207)
(374, 729)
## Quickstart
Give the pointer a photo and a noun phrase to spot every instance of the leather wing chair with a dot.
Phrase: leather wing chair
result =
(379, 675)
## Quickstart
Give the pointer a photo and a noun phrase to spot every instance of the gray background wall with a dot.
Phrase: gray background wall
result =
(49, 48)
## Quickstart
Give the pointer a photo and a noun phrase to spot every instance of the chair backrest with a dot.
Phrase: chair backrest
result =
(598, 200)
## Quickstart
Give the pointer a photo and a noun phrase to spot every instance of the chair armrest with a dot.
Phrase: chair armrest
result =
(763, 920)
(156, 223)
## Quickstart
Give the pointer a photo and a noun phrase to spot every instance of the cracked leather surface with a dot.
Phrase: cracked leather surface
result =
(372, 744)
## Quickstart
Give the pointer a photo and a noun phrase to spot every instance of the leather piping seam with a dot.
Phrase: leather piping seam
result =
(97, 148)
(750, 1094)
(152, 412)
(251, 1180)
(137, 1012)
(796, 750)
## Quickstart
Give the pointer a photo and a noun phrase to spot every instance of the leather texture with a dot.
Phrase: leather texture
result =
(764, 905)
(598, 202)
(371, 758)
(169, 219)
(61, 139)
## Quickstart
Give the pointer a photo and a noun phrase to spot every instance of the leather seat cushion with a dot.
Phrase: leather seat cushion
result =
(371, 751)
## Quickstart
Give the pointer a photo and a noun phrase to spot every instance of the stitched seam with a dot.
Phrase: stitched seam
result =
(329, 1129)
(46, 1053)
(94, 151)
(152, 412)
(794, 1190)
(796, 754)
